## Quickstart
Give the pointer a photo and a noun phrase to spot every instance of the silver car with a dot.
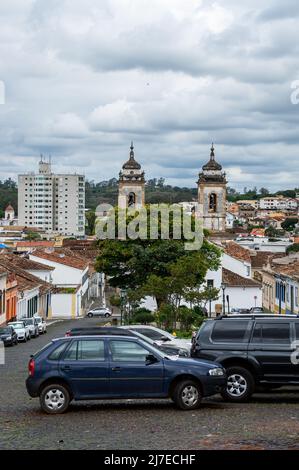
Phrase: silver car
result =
(42, 326)
(99, 312)
(32, 325)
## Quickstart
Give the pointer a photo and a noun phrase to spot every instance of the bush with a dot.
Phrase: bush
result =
(143, 316)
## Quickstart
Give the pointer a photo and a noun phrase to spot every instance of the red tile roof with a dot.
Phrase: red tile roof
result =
(237, 251)
(234, 280)
(62, 258)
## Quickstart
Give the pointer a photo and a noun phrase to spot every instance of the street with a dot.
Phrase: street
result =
(269, 421)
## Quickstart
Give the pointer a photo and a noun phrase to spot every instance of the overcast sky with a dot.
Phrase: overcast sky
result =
(85, 77)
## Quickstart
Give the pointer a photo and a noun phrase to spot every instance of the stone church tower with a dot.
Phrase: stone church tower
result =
(212, 195)
(131, 184)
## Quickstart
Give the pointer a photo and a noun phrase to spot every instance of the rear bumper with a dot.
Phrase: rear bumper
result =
(33, 386)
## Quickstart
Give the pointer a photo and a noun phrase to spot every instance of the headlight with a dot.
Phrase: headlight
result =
(183, 353)
(217, 371)
(9, 338)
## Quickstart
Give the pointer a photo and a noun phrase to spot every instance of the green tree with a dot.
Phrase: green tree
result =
(290, 223)
(90, 220)
(293, 248)
(159, 268)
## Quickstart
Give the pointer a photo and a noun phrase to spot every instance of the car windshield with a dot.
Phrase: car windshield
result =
(4, 330)
(38, 319)
(18, 326)
(28, 322)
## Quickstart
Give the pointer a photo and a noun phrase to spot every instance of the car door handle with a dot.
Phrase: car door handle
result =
(66, 367)
(116, 369)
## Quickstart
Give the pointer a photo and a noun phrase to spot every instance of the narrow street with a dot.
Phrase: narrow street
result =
(269, 421)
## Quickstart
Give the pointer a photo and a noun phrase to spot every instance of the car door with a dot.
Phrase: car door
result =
(85, 366)
(295, 353)
(131, 373)
(271, 346)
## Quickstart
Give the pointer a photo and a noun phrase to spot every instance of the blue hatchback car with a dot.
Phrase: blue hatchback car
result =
(107, 367)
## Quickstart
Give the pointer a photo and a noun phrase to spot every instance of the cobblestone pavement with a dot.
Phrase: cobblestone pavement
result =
(269, 421)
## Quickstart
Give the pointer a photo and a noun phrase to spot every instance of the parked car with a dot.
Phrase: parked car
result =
(42, 325)
(257, 350)
(99, 312)
(32, 325)
(160, 336)
(110, 330)
(257, 310)
(22, 330)
(240, 310)
(8, 336)
(106, 367)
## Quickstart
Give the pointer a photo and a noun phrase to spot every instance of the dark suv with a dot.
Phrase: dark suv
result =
(97, 367)
(258, 351)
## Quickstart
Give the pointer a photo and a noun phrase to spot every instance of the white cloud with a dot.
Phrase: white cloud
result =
(84, 78)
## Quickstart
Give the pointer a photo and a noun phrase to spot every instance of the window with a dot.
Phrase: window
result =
(55, 355)
(210, 283)
(152, 334)
(128, 351)
(227, 331)
(213, 202)
(297, 331)
(86, 350)
(271, 333)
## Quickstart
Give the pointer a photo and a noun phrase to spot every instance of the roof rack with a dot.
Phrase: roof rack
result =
(258, 315)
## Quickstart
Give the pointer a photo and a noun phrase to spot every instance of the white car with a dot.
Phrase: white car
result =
(32, 325)
(99, 312)
(42, 326)
(21, 329)
(160, 336)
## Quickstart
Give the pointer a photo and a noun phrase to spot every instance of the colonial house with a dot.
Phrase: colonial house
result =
(3, 278)
(281, 285)
(71, 276)
(33, 294)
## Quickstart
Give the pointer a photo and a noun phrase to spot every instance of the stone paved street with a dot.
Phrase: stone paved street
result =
(270, 421)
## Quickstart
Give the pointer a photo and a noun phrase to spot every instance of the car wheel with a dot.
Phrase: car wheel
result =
(240, 385)
(54, 399)
(107, 315)
(187, 395)
(90, 315)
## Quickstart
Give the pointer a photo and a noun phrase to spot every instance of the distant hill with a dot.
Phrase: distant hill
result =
(155, 191)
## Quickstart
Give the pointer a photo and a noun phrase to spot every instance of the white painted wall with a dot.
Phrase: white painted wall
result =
(22, 302)
(44, 275)
(243, 297)
(61, 305)
(242, 268)
(64, 276)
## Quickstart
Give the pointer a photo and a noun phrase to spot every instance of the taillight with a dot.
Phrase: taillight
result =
(31, 367)
(68, 333)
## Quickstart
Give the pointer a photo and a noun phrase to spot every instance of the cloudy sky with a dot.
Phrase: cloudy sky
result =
(85, 77)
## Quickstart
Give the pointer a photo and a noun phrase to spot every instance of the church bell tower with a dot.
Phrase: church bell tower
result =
(212, 195)
(131, 184)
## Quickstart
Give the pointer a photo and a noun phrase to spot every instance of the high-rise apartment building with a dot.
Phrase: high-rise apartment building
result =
(52, 202)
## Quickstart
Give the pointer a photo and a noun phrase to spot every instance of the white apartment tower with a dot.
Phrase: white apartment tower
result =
(52, 203)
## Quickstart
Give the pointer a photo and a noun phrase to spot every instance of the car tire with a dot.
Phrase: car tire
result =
(90, 315)
(107, 315)
(54, 399)
(187, 395)
(240, 385)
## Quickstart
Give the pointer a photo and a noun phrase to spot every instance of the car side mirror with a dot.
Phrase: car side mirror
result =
(150, 359)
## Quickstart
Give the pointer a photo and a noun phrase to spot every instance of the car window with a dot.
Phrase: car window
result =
(152, 334)
(297, 331)
(86, 350)
(127, 351)
(275, 333)
(229, 331)
(55, 355)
